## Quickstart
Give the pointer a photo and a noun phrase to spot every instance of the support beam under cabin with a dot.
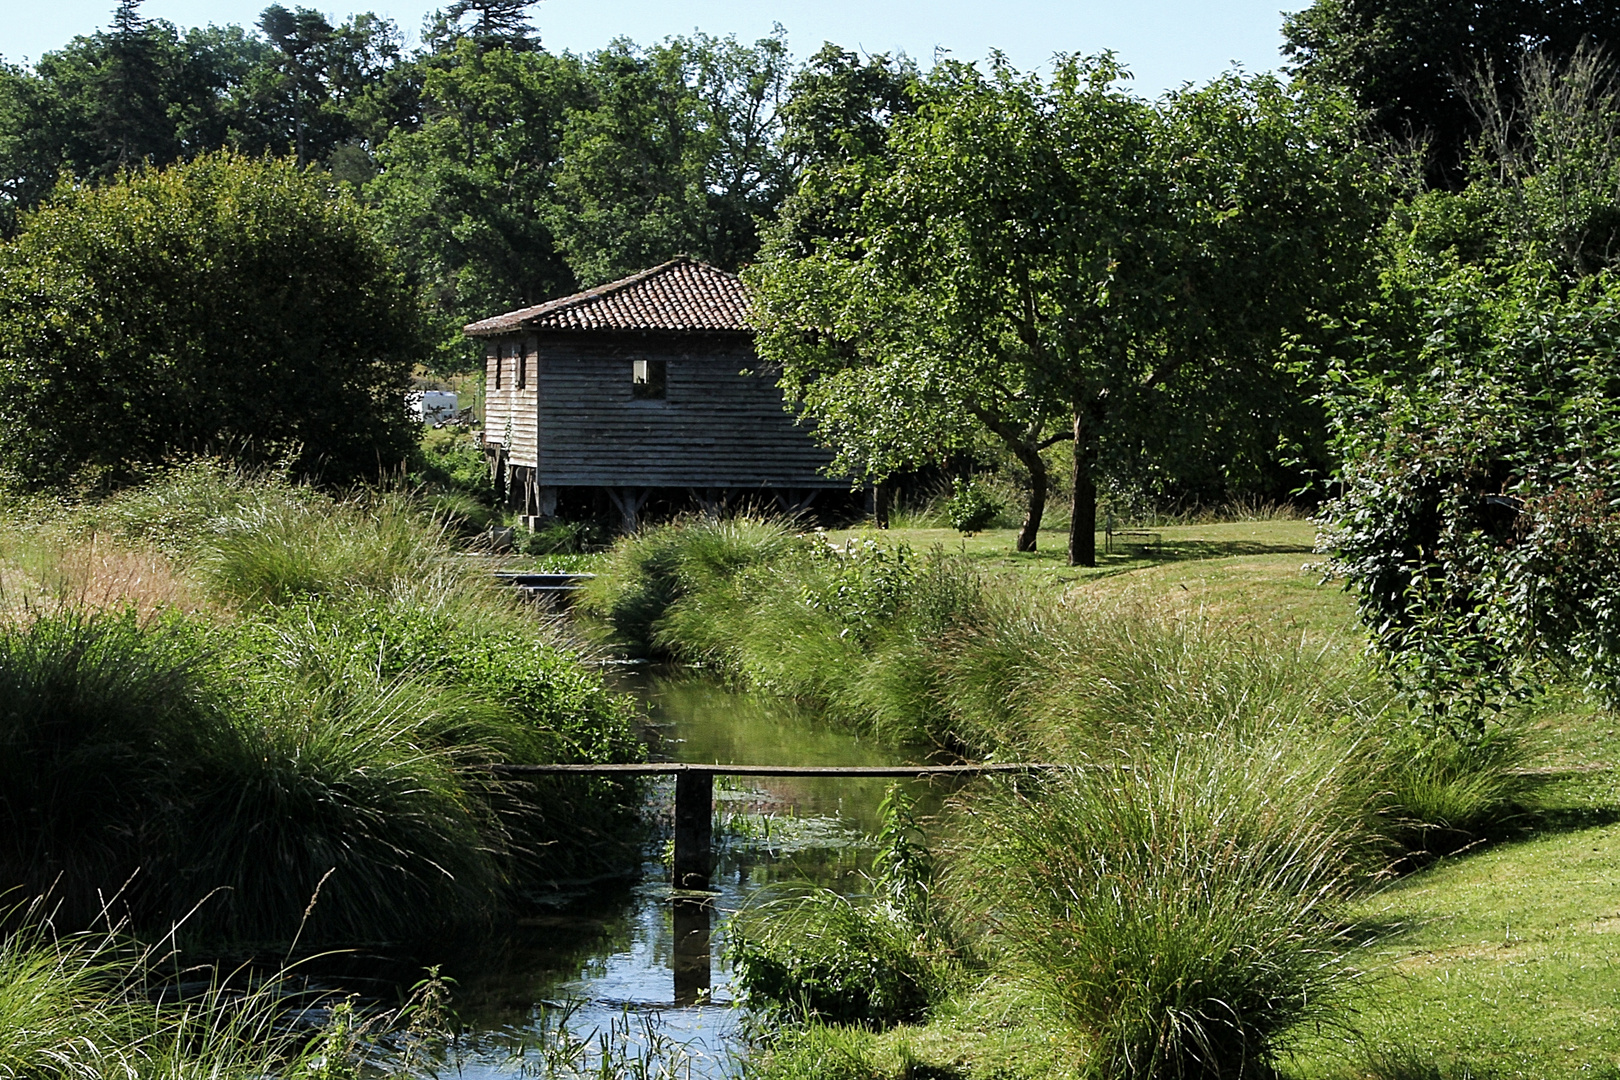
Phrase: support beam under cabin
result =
(628, 502)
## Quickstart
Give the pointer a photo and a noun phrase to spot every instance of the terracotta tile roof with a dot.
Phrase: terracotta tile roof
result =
(682, 294)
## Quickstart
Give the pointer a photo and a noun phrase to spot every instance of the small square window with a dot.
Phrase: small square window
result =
(647, 379)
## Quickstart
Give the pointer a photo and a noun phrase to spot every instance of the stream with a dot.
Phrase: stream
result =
(597, 975)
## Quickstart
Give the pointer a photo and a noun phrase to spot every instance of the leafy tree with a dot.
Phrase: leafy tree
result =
(142, 93)
(1409, 63)
(675, 152)
(469, 197)
(227, 304)
(1046, 262)
(496, 23)
(133, 114)
(300, 38)
(532, 173)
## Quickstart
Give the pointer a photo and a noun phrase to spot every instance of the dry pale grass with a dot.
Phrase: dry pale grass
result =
(91, 572)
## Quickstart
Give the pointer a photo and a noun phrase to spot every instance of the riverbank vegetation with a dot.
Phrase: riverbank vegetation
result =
(1203, 886)
(262, 712)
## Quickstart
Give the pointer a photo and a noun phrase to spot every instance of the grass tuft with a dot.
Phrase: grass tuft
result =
(1178, 913)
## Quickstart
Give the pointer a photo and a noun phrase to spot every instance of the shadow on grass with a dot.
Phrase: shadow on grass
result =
(1126, 557)
(1564, 819)
(1189, 550)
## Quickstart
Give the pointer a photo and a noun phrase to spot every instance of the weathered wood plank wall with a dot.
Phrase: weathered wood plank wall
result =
(715, 428)
(509, 410)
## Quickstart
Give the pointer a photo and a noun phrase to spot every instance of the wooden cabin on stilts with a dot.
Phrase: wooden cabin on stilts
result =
(645, 391)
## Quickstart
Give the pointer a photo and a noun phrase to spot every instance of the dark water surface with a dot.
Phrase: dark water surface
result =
(601, 966)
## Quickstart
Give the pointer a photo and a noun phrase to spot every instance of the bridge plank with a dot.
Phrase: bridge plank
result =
(668, 768)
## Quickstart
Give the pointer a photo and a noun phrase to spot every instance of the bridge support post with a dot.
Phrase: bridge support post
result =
(694, 815)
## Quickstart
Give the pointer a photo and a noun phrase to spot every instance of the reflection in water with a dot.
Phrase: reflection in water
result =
(693, 970)
(636, 948)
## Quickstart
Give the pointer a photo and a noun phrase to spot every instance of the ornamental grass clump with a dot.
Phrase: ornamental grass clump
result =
(1178, 913)
(98, 1005)
(339, 810)
(101, 718)
(649, 571)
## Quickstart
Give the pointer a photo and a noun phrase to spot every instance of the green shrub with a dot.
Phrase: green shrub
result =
(449, 460)
(1179, 912)
(818, 954)
(970, 508)
(825, 955)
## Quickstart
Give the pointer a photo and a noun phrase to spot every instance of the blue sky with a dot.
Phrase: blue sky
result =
(1163, 42)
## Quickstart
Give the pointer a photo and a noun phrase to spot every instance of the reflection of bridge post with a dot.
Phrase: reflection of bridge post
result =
(691, 958)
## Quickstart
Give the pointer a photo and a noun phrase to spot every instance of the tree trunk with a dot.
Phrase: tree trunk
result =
(882, 499)
(1031, 459)
(1083, 521)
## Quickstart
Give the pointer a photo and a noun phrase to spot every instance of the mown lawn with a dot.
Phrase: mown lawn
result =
(1500, 963)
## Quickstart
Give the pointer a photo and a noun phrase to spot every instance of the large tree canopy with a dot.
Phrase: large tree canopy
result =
(1046, 262)
(228, 304)
(1413, 65)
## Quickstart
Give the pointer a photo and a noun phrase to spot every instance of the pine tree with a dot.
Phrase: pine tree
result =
(132, 110)
(497, 23)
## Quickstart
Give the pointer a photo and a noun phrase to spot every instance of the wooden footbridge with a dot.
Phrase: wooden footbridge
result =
(694, 795)
(694, 816)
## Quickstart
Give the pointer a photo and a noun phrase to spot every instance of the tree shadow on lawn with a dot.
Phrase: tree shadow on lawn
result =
(1133, 556)
(1189, 550)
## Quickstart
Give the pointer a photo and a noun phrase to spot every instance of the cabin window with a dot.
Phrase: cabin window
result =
(499, 352)
(523, 366)
(647, 379)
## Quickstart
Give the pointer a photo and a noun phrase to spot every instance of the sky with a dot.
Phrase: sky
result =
(1164, 43)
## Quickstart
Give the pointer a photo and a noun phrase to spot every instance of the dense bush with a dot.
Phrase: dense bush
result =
(223, 303)
(877, 960)
(825, 955)
(1475, 409)
(970, 508)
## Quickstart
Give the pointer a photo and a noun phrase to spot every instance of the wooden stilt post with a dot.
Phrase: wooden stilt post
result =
(694, 811)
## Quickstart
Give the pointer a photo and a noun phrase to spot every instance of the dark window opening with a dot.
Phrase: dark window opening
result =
(499, 352)
(523, 366)
(647, 379)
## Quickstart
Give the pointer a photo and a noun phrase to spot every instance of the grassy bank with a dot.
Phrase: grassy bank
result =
(262, 712)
